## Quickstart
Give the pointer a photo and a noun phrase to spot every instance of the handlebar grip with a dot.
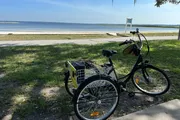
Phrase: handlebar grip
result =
(126, 42)
(133, 32)
(123, 43)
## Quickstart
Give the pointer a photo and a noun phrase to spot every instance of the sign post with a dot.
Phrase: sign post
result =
(179, 34)
(128, 22)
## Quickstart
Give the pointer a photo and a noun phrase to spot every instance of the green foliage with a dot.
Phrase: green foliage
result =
(161, 2)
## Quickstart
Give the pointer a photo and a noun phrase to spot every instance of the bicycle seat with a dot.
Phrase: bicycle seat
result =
(108, 53)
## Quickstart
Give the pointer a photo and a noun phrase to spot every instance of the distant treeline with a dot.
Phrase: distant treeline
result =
(143, 25)
(159, 26)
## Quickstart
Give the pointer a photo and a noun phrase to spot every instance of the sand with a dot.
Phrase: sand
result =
(75, 32)
(50, 32)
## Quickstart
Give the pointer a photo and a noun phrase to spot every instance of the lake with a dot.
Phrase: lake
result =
(58, 27)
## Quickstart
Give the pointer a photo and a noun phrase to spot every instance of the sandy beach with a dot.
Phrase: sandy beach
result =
(50, 32)
(76, 32)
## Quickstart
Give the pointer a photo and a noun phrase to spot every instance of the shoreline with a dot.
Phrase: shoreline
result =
(53, 32)
(77, 32)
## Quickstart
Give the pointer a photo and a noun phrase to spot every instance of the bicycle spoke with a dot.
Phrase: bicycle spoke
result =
(153, 81)
(97, 100)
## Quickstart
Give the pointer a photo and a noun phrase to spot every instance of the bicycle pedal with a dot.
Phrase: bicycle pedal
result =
(131, 94)
(74, 91)
(123, 89)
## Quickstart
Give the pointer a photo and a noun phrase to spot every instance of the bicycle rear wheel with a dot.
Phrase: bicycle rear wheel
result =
(96, 99)
(69, 84)
(151, 80)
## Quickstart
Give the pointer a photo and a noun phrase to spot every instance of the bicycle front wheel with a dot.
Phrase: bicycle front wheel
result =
(151, 80)
(96, 99)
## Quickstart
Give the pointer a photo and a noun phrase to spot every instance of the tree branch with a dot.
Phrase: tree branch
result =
(161, 2)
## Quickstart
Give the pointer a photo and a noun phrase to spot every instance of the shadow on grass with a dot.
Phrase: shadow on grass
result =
(29, 70)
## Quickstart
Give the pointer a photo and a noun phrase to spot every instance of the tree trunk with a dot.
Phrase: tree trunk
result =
(179, 34)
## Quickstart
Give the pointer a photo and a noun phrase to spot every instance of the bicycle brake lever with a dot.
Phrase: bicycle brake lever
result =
(131, 40)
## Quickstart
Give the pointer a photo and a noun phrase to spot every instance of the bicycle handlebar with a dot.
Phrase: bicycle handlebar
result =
(135, 32)
(139, 36)
(126, 42)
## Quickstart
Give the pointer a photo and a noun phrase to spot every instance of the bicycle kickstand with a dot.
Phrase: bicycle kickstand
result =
(123, 88)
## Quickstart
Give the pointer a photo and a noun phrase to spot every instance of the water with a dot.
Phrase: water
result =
(58, 27)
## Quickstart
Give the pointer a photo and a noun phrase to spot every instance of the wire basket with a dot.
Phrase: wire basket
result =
(80, 71)
(131, 50)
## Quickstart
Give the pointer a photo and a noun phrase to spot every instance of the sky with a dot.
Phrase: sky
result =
(89, 11)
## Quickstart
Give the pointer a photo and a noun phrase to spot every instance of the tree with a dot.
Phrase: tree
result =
(161, 2)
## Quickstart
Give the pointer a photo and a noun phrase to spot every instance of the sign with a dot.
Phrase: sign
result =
(129, 20)
(179, 34)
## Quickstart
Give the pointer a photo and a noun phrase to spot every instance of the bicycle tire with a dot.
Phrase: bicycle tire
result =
(148, 76)
(67, 84)
(86, 96)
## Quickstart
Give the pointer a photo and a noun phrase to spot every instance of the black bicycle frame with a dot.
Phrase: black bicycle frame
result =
(128, 76)
(139, 60)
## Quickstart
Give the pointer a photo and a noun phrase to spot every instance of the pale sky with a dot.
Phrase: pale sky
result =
(89, 11)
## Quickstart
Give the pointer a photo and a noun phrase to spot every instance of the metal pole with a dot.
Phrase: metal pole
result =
(131, 27)
(179, 34)
(125, 27)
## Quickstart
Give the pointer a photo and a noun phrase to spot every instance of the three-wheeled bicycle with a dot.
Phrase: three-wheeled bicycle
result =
(96, 93)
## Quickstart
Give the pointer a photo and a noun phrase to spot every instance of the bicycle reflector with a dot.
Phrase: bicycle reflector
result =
(93, 114)
(137, 80)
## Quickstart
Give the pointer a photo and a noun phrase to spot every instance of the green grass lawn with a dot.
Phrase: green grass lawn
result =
(28, 70)
(153, 34)
(52, 36)
(72, 36)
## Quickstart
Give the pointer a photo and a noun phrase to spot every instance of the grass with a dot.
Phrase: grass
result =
(72, 36)
(153, 34)
(161, 34)
(51, 36)
(28, 70)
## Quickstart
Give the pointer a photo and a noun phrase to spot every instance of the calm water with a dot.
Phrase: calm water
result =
(55, 27)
